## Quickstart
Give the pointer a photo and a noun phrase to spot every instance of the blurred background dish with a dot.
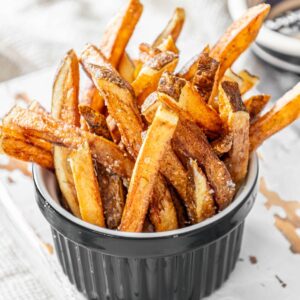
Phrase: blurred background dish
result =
(278, 43)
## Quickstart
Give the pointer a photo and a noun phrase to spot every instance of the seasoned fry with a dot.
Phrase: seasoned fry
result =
(93, 99)
(150, 107)
(173, 27)
(86, 186)
(119, 96)
(234, 114)
(248, 81)
(223, 144)
(190, 141)
(284, 112)
(200, 193)
(119, 31)
(113, 129)
(44, 127)
(112, 195)
(146, 170)
(179, 95)
(148, 78)
(239, 36)
(65, 107)
(205, 78)
(96, 122)
(126, 68)
(255, 104)
(189, 69)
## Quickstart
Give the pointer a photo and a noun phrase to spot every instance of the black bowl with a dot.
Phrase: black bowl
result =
(187, 263)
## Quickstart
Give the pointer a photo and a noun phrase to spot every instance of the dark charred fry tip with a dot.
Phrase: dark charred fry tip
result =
(160, 60)
(232, 91)
(171, 85)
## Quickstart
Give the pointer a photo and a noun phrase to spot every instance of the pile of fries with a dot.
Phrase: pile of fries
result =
(147, 148)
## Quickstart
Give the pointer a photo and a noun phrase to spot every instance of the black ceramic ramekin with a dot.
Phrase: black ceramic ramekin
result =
(183, 264)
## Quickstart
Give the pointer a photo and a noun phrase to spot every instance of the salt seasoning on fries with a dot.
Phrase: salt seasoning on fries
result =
(149, 150)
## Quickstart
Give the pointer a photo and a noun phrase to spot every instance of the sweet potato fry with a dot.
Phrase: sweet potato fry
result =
(148, 78)
(126, 68)
(44, 127)
(65, 107)
(90, 203)
(146, 170)
(119, 97)
(96, 121)
(112, 195)
(173, 27)
(179, 95)
(190, 141)
(205, 78)
(255, 104)
(234, 114)
(284, 112)
(200, 193)
(239, 36)
(119, 31)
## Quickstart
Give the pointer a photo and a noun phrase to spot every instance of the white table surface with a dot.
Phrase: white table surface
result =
(50, 28)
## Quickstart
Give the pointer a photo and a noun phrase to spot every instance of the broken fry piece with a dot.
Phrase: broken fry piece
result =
(146, 170)
(284, 112)
(235, 116)
(255, 104)
(248, 81)
(238, 37)
(86, 186)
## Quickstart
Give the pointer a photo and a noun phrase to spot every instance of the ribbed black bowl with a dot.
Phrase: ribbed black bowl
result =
(183, 264)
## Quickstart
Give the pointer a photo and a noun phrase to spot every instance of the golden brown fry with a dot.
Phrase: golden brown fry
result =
(86, 185)
(119, 31)
(168, 44)
(190, 141)
(205, 78)
(96, 122)
(92, 98)
(284, 112)
(22, 150)
(223, 144)
(119, 97)
(150, 107)
(179, 95)
(44, 127)
(234, 114)
(112, 195)
(65, 107)
(255, 104)
(126, 68)
(146, 170)
(200, 193)
(113, 129)
(239, 36)
(148, 78)
(162, 212)
(248, 81)
(173, 27)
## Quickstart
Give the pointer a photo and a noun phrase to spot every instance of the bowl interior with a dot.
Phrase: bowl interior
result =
(46, 183)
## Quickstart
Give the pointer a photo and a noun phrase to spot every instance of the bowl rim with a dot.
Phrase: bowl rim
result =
(243, 194)
(267, 37)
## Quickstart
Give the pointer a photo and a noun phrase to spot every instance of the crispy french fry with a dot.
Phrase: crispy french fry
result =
(43, 126)
(173, 27)
(200, 193)
(248, 81)
(148, 78)
(205, 78)
(126, 68)
(93, 99)
(255, 104)
(146, 170)
(223, 144)
(284, 112)
(190, 141)
(189, 69)
(112, 195)
(86, 185)
(239, 36)
(65, 107)
(168, 44)
(150, 106)
(234, 114)
(162, 212)
(179, 95)
(113, 129)
(119, 96)
(96, 121)
(119, 31)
